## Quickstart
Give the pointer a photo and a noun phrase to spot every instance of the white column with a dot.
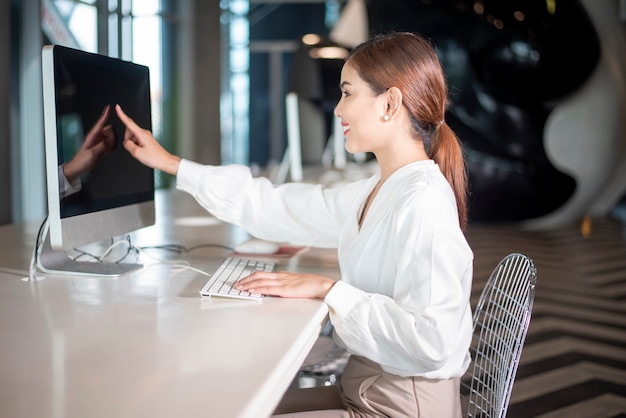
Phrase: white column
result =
(29, 195)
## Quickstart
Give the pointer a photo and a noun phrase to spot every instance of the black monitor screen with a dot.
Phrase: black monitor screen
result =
(85, 84)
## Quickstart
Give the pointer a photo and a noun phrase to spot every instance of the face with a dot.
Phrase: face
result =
(361, 112)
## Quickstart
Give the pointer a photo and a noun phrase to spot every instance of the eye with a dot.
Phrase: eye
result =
(345, 93)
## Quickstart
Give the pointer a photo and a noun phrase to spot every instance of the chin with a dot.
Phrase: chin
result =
(352, 148)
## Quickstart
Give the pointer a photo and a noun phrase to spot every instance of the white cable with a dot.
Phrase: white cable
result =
(32, 268)
(177, 265)
(181, 267)
(162, 260)
(106, 252)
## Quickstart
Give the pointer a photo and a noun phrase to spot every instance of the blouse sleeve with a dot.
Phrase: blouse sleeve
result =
(65, 187)
(299, 213)
(425, 327)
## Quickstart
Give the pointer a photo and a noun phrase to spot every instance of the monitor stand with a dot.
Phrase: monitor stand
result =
(53, 261)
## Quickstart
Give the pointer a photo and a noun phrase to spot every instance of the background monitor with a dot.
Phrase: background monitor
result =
(108, 193)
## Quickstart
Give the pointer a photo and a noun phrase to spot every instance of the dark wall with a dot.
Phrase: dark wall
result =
(508, 64)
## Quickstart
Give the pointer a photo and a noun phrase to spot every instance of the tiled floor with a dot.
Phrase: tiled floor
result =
(574, 359)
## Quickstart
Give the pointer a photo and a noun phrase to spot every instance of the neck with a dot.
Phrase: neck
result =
(392, 160)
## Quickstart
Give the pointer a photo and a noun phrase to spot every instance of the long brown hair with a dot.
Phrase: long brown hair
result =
(408, 61)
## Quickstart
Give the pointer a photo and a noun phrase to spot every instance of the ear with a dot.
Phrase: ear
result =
(393, 102)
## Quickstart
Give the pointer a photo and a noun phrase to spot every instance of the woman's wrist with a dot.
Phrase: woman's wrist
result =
(171, 165)
(328, 285)
(69, 172)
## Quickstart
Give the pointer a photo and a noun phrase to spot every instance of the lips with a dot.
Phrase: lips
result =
(346, 128)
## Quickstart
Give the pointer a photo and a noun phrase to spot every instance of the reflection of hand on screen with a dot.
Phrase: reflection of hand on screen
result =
(99, 141)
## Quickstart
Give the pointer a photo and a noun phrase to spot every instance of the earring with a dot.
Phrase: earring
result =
(386, 118)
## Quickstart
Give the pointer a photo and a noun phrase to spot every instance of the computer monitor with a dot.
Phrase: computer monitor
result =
(96, 190)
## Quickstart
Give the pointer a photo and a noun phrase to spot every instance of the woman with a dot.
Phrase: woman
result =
(401, 307)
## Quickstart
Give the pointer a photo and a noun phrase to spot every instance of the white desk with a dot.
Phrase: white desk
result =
(145, 344)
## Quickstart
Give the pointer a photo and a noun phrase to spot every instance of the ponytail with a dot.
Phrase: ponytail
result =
(445, 149)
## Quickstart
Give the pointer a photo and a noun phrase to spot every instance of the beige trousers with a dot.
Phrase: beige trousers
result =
(366, 391)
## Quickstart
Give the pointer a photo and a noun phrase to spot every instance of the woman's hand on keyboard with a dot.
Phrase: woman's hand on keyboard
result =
(286, 284)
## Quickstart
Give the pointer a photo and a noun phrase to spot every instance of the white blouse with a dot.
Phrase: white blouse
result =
(403, 297)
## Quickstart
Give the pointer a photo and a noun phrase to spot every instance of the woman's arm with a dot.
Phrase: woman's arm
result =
(303, 214)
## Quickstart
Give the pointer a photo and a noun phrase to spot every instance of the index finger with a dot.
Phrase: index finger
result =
(101, 119)
(126, 120)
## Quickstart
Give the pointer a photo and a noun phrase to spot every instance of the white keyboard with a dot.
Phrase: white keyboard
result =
(232, 269)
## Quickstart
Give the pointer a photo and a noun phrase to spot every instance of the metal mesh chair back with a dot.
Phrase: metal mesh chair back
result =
(501, 321)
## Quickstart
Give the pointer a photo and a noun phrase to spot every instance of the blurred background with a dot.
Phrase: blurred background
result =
(537, 90)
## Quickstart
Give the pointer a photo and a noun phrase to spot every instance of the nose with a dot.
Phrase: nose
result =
(336, 111)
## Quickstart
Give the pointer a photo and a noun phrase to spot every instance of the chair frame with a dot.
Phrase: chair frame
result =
(501, 321)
